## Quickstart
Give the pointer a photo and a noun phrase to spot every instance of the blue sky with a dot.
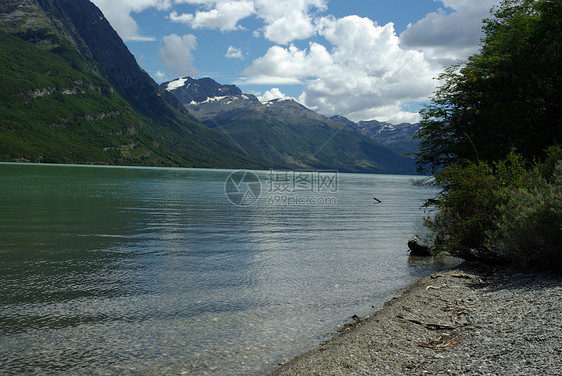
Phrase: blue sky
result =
(363, 59)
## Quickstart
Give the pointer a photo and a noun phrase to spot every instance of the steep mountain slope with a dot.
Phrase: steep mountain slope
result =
(285, 132)
(72, 92)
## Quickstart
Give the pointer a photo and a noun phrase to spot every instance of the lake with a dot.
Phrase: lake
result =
(156, 271)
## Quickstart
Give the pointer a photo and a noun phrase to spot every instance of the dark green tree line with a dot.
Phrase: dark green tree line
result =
(506, 96)
(492, 134)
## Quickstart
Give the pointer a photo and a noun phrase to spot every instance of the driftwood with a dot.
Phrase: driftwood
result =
(436, 287)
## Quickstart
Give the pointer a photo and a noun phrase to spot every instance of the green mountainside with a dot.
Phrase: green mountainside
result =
(285, 132)
(71, 92)
(288, 133)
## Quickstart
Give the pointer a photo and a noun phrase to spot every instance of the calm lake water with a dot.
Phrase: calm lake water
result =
(145, 271)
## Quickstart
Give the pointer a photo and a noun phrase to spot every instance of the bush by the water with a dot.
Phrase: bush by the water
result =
(503, 211)
(504, 98)
(528, 228)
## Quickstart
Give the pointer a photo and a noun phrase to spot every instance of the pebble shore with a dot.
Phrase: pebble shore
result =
(469, 321)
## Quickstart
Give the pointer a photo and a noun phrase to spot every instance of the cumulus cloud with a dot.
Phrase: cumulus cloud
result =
(296, 25)
(272, 94)
(177, 54)
(289, 65)
(223, 15)
(284, 20)
(365, 74)
(447, 37)
(288, 20)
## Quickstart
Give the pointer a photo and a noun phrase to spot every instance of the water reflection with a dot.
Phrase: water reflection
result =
(152, 271)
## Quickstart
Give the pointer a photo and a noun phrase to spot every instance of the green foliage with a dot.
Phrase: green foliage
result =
(466, 206)
(501, 211)
(40, 123)
(506, 96)
(528, 228)
(472, 191)
(553, 156)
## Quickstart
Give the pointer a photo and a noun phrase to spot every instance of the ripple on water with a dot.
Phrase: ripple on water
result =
(153, 271)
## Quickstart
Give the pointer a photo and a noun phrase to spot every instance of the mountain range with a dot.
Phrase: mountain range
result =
(286, 133)
(71, 92)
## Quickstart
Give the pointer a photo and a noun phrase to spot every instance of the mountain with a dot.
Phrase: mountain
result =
(71, 92)
(397, 137)
(284, 132)
(188, 90)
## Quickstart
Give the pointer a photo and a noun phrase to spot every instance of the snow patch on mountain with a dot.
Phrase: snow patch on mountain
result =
(172, 85)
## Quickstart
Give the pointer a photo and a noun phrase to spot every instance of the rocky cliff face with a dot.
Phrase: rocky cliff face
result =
(53, 23)
(104, 46)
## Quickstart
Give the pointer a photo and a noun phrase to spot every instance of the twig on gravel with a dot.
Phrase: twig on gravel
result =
(430, 326)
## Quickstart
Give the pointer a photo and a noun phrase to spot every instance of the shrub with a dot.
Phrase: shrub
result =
(468, 204)
(466, 207)
(528, 229)
(502, 211)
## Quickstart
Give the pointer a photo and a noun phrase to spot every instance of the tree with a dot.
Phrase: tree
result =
(506, 96)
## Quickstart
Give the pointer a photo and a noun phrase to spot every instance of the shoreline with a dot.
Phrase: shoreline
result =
(470, 320)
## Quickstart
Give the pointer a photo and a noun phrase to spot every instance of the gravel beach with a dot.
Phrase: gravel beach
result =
(469, 321)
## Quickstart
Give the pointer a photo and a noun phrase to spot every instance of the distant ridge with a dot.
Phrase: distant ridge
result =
(188, 89)
(284, 132)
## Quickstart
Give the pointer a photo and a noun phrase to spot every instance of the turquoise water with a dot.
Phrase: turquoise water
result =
(142, 271)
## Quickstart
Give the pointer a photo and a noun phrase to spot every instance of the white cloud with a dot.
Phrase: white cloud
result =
(234, 53)
(447, 37)
(177, 54)
(223, 15)
(272, 94)
(118, 13)
(365, 75)
(289, 65)
(367, 71)
(284, 20)
(288, 20)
